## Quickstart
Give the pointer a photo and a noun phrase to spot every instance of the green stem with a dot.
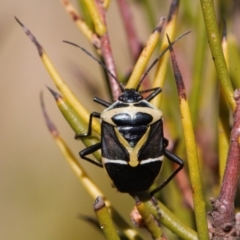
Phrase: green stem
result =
(191, 148)
(196, 94)
(169, 220)
(216, 50)
(104, 219)
(151, 224)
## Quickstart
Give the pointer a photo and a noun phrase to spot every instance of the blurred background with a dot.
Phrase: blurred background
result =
(40, 197)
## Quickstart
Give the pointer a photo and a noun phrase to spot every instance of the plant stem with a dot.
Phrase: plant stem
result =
(223, 213)
(191, 148)
(216, 50)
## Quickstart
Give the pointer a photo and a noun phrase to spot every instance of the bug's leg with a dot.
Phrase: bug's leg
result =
(155, 92)
(174, 159)
(93, 148)
(90, 150)
(155, 203)
(89, 132)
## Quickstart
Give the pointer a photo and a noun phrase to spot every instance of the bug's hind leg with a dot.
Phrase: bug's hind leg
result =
(172, 157)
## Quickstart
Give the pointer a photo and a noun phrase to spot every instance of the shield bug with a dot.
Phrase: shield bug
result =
(132, 140)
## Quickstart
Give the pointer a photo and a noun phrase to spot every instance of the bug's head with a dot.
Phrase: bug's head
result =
(130, 96)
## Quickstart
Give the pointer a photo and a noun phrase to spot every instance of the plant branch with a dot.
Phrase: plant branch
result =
(149, 221)
(191, 148)
(80, 23)
(145, 55)
(59, 82)
(216, 50)
(223, 213)
(169, 220)
(132, 39)
(160, 74)
(107, 53)
(104, 219)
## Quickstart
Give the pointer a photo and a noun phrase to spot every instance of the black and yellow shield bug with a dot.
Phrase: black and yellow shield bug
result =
(132, 140)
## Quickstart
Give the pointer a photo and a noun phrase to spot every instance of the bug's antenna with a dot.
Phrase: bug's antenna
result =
(98, 61)
(157, 59)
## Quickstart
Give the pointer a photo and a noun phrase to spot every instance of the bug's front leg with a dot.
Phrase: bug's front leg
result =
(93, 148)
(89, 132)
(172, 157)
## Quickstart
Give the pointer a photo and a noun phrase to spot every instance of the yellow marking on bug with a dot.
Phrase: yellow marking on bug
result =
(133, 151)
(131, 110)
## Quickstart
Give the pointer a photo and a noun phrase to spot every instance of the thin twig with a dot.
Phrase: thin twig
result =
(134, 44)
(107, 53)
(214, 41)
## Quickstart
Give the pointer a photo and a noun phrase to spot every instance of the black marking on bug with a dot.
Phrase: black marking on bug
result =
(132, 142)
(125, 119)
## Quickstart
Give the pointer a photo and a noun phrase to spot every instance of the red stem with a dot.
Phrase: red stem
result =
(223, 213)
(133, 42)
(107, 54)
